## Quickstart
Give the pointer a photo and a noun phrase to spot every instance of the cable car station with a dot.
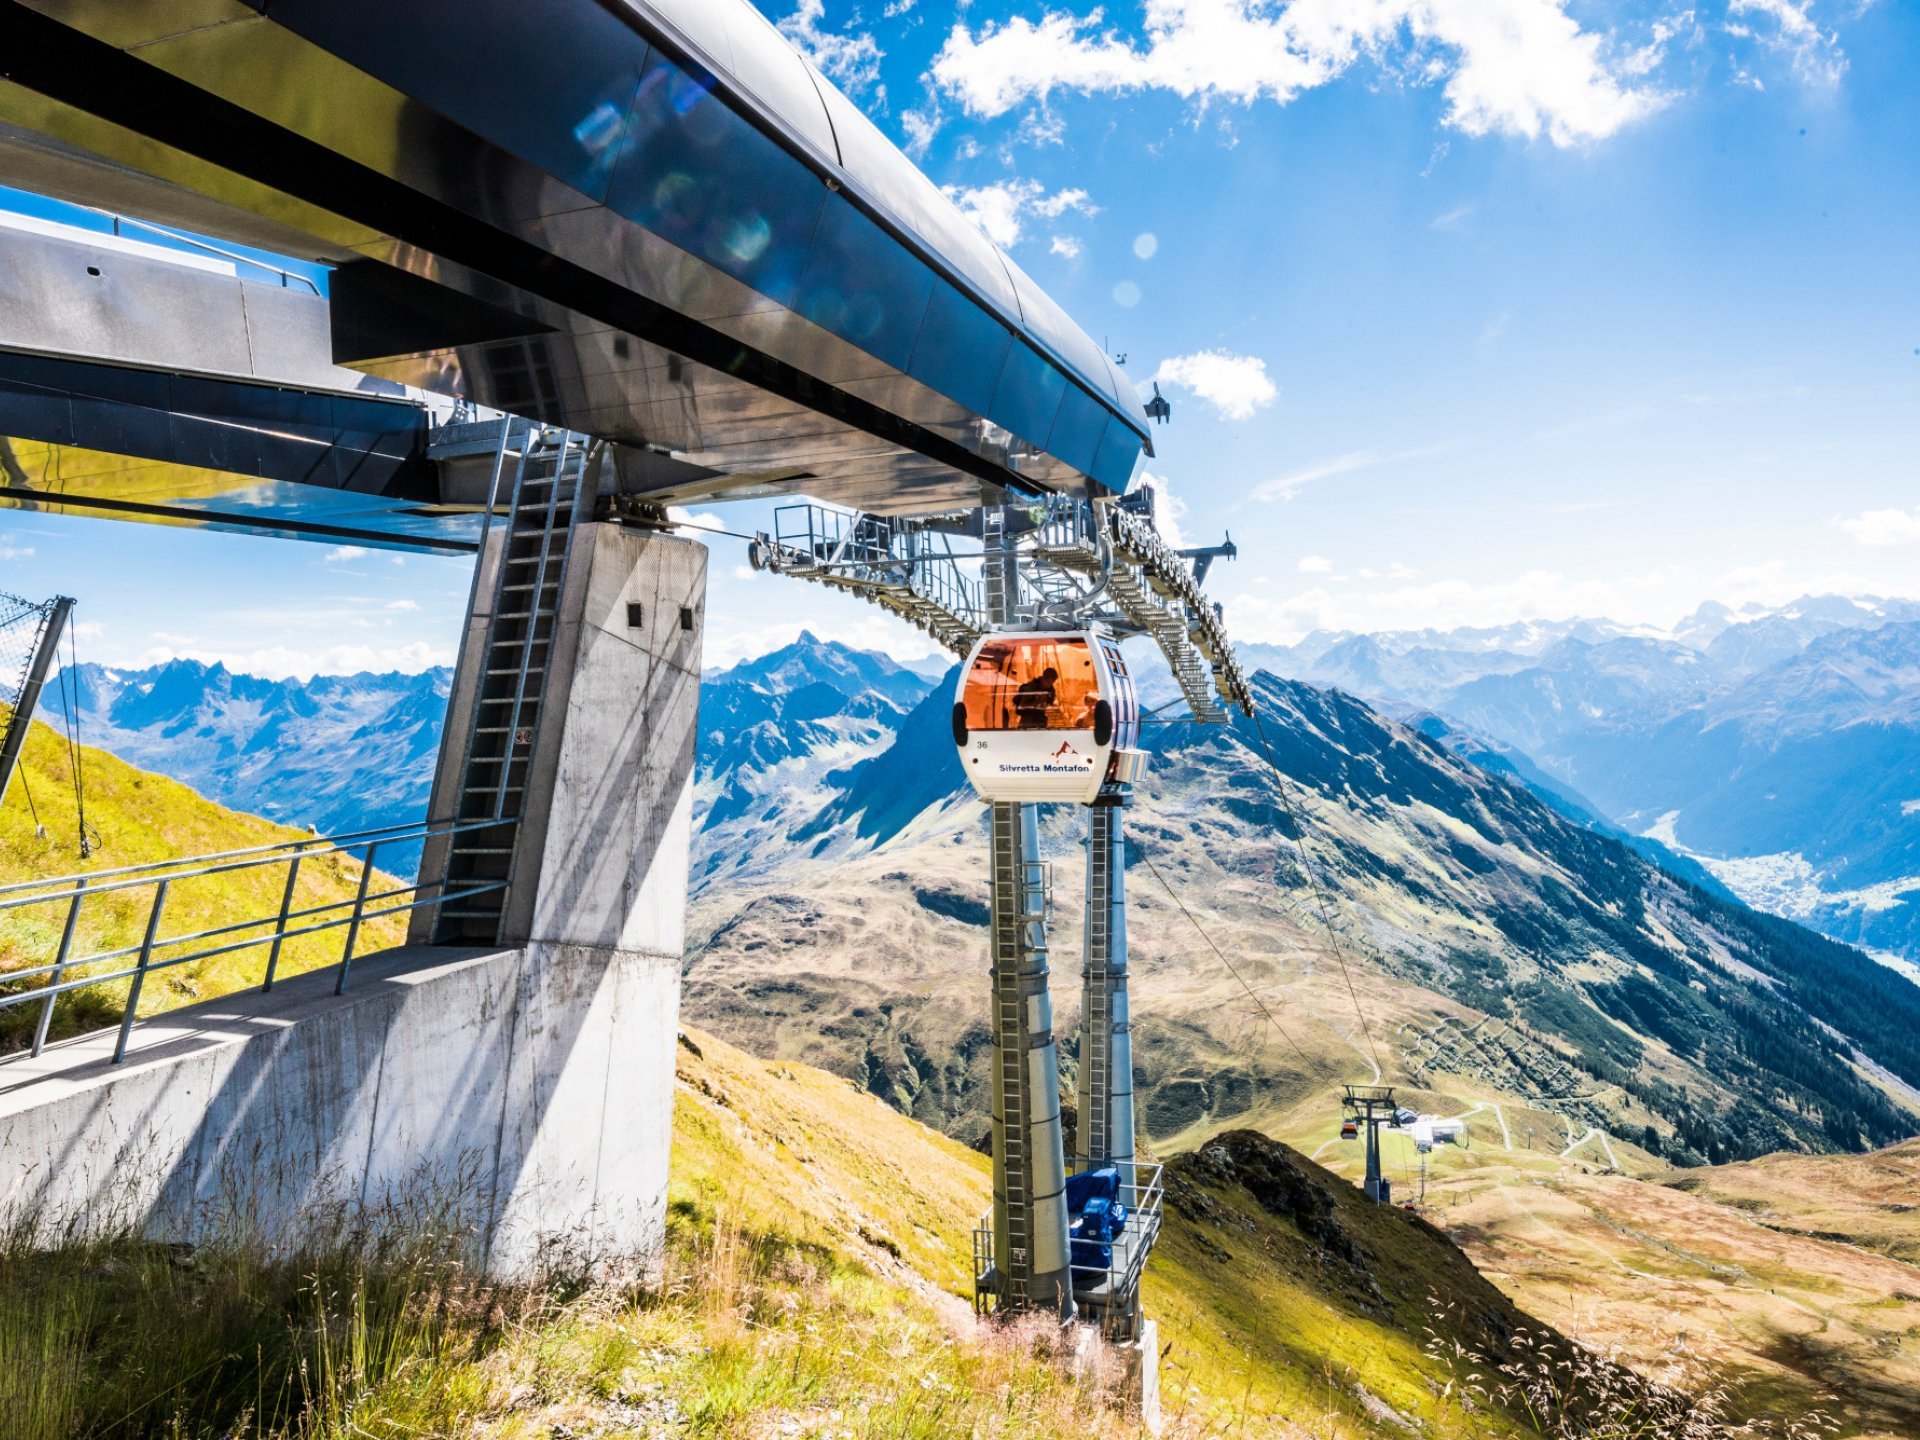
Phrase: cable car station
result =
(641, 254)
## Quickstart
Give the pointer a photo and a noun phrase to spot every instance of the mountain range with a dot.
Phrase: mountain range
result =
(840, 923)
(1779, 747)
(838, 850)
(334, 754)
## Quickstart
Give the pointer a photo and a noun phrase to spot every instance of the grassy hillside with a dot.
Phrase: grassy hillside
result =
(816, 1286)
(139, 818)
(1494, 950)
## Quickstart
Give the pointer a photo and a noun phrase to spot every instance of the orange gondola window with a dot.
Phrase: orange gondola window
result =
(1035, 682)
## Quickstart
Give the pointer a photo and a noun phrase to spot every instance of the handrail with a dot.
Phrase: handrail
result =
(196, 243)
(158, 951)
(344, 841)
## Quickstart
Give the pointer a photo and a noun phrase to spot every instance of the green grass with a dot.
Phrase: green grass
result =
(814, 1285)
(141, 818)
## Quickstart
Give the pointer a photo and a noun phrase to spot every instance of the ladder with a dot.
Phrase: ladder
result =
(1010, 1006)
(551, 494)
(1096, 1024)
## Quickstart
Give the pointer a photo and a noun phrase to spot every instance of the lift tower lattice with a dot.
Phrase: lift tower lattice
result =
(1055, 566)
(1372, 1106)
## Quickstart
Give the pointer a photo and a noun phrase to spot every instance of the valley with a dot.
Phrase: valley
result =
(1596, 1012)
(1778, 747)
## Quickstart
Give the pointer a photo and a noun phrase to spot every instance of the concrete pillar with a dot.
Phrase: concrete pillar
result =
(598, 901)
(597, 897)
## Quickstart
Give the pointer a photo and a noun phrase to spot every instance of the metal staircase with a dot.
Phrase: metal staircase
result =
(552, 493)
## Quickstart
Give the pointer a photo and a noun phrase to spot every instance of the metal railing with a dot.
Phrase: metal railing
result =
(67, 973)
(194, 242)
(1107, 1295)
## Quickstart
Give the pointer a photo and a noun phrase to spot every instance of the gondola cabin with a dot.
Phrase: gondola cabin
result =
(1047, 715)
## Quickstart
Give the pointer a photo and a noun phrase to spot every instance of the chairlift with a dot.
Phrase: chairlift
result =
(1349, 1129)
(1047, 715)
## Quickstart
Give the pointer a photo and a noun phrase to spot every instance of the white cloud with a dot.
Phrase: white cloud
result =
(343, 554)
(1512, 67)
(89, 629)
(1003, 210)
(1883, 527)
(1169, 510)
(1064, 245)
(403, 605)
(696, 520)
(1451, 219)
(920, 127)
(1816, 58)
(1315, 565)
(1442, 604)
(850, 59)
(11, 549)
(1235, 385)
(1285, 487)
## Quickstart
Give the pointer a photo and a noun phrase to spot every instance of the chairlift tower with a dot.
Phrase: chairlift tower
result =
(1047, 713)
(1369, 1107)
(42, 625)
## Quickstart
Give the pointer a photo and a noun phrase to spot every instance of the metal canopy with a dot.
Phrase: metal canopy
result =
(654, 223)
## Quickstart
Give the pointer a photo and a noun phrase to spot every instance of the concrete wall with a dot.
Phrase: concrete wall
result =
(486, 1087)
(531, 1088)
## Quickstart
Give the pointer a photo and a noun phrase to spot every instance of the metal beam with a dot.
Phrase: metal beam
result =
(46, 645)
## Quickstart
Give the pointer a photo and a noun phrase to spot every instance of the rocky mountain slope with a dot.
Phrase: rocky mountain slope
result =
(1781, 747)
(336, 753)
(1493, 945)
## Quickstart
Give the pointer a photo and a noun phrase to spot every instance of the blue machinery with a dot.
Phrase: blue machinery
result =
(1055, 578)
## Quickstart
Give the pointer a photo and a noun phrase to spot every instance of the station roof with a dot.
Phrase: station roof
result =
(654, 222)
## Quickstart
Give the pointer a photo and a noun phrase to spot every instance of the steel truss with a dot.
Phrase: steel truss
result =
(1065, 563)
(1097, 562)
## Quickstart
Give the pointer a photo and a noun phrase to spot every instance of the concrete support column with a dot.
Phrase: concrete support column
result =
(596, 903)
(598, 900)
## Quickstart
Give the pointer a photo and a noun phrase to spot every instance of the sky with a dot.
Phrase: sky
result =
(1470, 311)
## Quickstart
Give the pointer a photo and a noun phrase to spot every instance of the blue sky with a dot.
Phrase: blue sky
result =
(1470, 311)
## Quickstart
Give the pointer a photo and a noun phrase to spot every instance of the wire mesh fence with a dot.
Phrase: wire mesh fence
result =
(21, 625)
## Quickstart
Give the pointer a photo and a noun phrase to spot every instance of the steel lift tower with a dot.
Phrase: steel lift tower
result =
(1368, 1108)
(1046, 713)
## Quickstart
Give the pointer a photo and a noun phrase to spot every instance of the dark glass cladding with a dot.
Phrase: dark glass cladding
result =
(1118, 456)
(697, 173)
(566, 108)
(863, 286)
(962, 349)
(1029, 395)
(1077, 429)
(592, 104)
